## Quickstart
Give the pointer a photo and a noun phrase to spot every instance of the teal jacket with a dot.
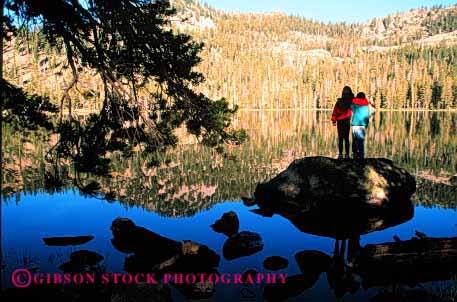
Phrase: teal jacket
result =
(360, 112)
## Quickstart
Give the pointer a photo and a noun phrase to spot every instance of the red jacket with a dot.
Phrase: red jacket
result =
(340, 113)
(360, 102)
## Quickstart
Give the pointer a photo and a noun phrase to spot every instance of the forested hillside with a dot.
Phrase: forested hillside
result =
(258, 61)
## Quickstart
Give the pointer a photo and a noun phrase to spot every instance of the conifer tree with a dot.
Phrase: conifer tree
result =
(131, 45)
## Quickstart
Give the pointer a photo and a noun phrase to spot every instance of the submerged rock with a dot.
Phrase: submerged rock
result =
(321, 182)
(82, 261)
(142, 293)
(247, 293)
(67, 241)
(313, 261)
(85, 257)
(275, 263)
(408, 295)
(294, 286)
(241, 245)
(198, 290)
(227, 225)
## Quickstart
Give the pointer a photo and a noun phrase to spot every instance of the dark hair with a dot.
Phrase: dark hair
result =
(361, 95)
(347, 91)
(346, 97)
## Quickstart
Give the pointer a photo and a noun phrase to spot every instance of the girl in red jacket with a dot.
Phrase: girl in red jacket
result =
(341, 117)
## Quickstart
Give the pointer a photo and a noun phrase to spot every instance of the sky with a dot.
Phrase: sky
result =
(327, 10)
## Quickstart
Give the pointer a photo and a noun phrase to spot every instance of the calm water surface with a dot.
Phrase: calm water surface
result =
(180, 201)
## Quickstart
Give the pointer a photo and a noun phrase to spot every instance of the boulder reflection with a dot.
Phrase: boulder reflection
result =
(352, 266)
(345, 224)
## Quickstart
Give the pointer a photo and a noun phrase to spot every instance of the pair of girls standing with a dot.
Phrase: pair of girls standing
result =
(351, 111)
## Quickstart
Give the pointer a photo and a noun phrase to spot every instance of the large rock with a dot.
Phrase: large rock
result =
(152, 252)
(320, 182)
(131, 239)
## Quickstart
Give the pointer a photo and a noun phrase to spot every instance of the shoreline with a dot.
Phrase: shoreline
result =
(453, 110)
(324, 109)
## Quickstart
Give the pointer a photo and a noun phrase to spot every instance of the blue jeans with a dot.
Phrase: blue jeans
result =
(358, 141)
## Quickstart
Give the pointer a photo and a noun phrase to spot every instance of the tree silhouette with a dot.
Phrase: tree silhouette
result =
(131, 46)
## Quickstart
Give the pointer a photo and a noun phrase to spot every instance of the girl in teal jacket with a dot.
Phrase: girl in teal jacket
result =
(360, 121)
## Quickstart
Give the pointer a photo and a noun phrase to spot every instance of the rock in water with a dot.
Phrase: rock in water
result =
(129, 238)
(67, 241)
(319, 182)
(241, 245)
(152, 252)
(160, 255)
(275, 263)
(227, 225)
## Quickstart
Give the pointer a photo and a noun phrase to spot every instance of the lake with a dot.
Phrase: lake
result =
(194, 187)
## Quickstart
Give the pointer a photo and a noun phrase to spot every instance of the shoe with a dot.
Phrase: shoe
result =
(340, 156)
(347, 156)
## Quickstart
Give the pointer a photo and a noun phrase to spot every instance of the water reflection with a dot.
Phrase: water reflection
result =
(409, 262)
(352, 266)
(194, 178)
(324, 262)
(345, 224)
(348, 255)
